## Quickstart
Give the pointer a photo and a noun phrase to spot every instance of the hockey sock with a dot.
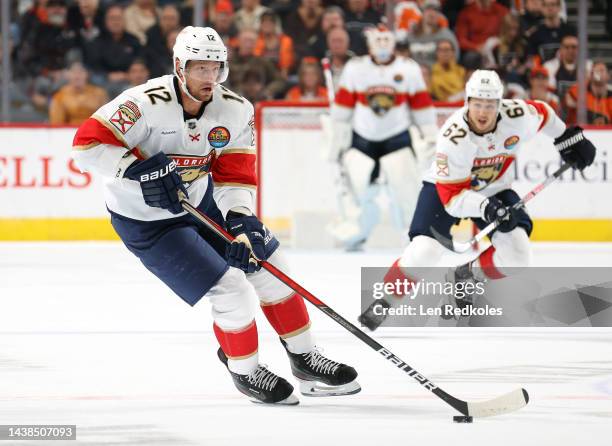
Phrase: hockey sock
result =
(290, 319)
(396, 276)
(486, 263)
(240, 347)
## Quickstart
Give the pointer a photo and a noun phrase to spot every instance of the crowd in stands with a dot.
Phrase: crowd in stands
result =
(70, 57)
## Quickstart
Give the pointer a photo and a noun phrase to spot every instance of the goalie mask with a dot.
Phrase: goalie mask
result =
(381, 43)
(196, 43)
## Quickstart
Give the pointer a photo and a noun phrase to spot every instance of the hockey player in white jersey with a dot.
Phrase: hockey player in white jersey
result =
(185, 135)
(379, 98)
(470, 178)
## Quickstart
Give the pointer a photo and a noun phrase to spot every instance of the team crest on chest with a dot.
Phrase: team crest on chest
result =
(218, 137)
(191, 168)
(487, 170)
(380, 99)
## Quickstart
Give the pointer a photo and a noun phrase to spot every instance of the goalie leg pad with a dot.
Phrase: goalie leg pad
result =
(404, 179)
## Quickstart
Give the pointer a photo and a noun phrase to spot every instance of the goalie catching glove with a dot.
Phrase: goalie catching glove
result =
(252, 242)
(159, 181)
(575, 148)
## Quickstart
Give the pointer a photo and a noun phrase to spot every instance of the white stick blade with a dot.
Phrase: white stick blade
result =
(507, 403)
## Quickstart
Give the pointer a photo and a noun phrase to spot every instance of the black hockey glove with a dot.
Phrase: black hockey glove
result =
(251, 237)
(575, 148)
(159, 182)
(495, 209)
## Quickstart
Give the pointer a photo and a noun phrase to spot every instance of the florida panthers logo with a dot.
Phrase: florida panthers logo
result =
(487, 170)
(381, 99)
(191, 168)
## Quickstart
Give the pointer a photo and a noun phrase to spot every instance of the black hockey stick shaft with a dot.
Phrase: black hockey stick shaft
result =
(455, 403)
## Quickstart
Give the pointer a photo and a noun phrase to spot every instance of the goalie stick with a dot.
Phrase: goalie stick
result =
(506, 403)
(463, 247)
(345, 189)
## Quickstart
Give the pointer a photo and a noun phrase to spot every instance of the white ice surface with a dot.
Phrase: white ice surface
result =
(89, 337)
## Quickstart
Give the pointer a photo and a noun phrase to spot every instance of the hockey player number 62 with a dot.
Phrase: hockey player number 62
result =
(456, 132)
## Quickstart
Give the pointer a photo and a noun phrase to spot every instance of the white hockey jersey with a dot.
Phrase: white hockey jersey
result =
(381, 101)
(469, 167)
(147, 119)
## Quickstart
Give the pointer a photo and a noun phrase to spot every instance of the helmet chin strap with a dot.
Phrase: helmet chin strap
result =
(184, 87)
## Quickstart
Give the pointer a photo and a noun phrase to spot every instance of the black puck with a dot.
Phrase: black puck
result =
(463, 419)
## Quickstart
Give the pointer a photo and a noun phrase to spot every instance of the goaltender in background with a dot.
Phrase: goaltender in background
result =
(411, 290)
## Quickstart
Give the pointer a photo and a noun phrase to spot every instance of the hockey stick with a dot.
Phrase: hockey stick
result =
(345, 188)
(463, 247)
(509, 402)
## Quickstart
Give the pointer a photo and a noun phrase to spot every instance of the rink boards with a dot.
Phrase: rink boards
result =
(46, 197)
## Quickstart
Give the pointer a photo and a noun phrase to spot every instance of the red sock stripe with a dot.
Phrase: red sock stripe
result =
(394, 274)
(288, 315)
(237, 343)
(487, 265)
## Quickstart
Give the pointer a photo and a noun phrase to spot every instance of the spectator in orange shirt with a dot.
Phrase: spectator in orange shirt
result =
(273, 44)
(76, 101)
(475, 24)
(310, 87)
(598, 97)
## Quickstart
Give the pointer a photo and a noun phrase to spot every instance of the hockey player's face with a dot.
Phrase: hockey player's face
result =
(201, 77)
(482, 114)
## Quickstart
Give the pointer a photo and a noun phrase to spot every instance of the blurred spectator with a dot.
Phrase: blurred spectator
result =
(598, 97)
(310, 85)
(76, 101)
(47, 45)
(408, 14)
(303, 25)
(139, 17)
(333, 17)
(252, 85)
(545, 40)
(451, 10)
(475, 24)
(539, 90)
(32, 17)
(137, 74)
(447, 76)
(563, 70)
(507, 53)
(169, 20)
(223, 23)
(160, 63)
(338, 42)
(531, 16)
(357, 18)
(86, 19)
(110, 55)
(273, 44)
(244, 59)
(427, 33)
(21, 108)
(247, 17)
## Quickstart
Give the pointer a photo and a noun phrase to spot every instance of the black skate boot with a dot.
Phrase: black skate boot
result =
(372, 320)
(262, 386)
(461, 274)
(319, 376)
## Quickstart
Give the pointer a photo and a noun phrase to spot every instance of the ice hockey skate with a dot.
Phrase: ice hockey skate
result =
(320, 376)
(262, 386)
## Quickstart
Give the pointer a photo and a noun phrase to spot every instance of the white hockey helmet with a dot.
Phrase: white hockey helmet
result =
(381, 43)
(484, 84)
(197, 43)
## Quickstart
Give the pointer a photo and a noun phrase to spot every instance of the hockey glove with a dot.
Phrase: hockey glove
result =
(495, 209)
(159, 182)
(252, 242)
(575, 148)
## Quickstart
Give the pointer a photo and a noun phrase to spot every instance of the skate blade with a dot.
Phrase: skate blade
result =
(291, 400)
(317, 388)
